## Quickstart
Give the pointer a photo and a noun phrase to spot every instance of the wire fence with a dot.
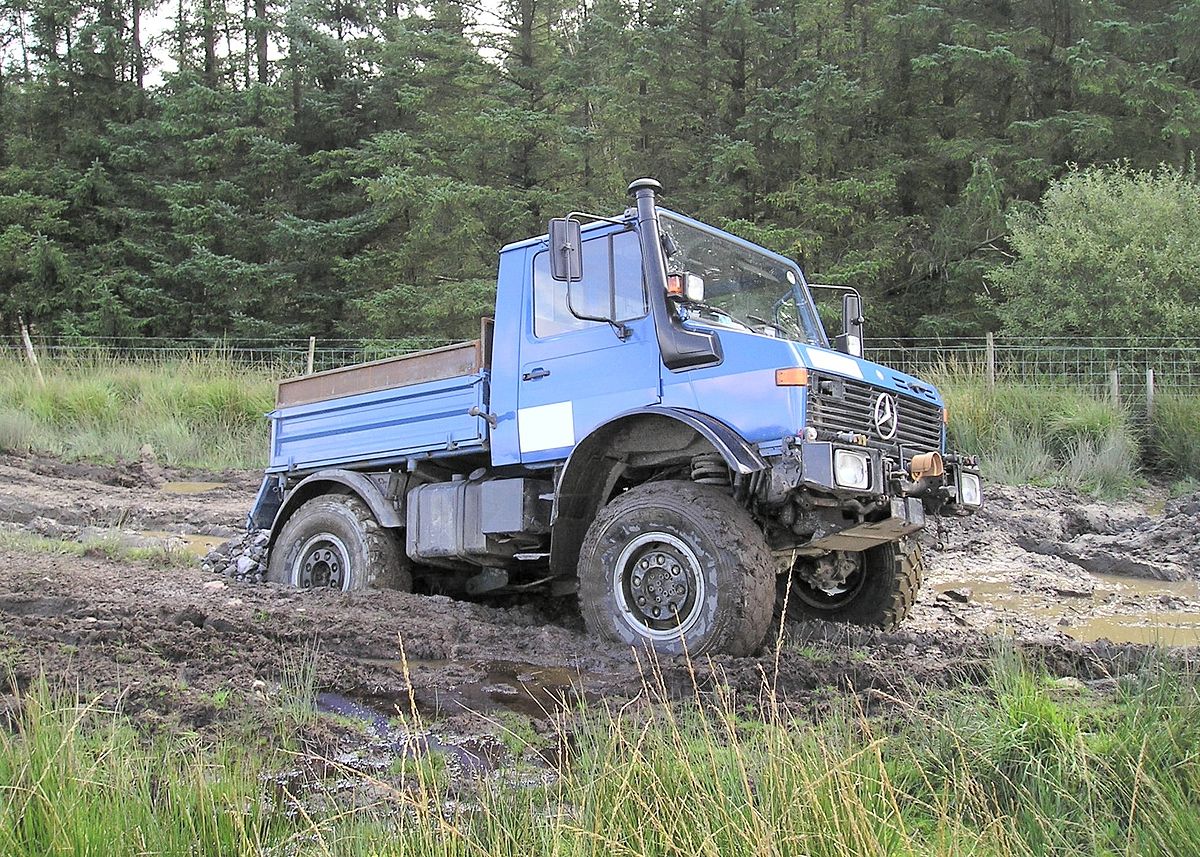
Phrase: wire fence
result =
(281, 357)
(1129, 371)
(1126, 369)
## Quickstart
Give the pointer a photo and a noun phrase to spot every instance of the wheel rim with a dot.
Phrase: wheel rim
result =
(830, 599)
(323, 562)
(659, 586)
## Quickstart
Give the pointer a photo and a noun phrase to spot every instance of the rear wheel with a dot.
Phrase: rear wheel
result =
(334, 542)
(880, 591)
(678, 567)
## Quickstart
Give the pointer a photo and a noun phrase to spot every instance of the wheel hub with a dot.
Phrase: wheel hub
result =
(323, 562)
(658, 585)
(830, 582)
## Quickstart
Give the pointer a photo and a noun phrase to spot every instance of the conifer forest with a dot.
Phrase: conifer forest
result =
(351, 167)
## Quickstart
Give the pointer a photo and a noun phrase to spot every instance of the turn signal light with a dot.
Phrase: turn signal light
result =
(796, 376)
(945, 415)
(675, 285)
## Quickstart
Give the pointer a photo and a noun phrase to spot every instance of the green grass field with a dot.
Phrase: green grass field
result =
(205, 413)
(1027, 765)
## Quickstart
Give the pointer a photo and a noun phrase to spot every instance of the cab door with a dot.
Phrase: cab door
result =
(576, 373)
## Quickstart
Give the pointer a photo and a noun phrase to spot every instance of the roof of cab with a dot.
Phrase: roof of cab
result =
(628, 216)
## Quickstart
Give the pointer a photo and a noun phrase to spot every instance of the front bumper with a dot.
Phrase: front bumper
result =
(821, 506)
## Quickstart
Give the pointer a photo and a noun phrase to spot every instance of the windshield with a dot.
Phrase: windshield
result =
(743, 287)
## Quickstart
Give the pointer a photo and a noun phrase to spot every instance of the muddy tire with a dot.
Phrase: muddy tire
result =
(334, 541)
(687, 551)
(883, 596)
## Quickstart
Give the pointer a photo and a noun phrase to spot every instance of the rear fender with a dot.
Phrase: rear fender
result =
(330, 481)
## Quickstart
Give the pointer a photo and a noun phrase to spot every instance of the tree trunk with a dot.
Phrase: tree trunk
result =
(210, 46)
(260, 40)
(246, 52)
(139, 58)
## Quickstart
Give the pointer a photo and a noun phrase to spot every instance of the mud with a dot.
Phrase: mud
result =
(180, 647)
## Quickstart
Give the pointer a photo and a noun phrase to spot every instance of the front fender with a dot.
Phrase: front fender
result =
(582, 483)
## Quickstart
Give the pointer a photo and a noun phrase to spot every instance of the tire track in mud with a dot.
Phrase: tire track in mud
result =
(169, 644)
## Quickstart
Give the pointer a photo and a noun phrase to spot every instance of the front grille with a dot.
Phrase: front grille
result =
(838, 404)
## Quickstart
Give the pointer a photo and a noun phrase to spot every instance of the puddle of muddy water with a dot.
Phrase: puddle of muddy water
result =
(193, 543)
(190, 487)
(1120, 609)
(532, 691)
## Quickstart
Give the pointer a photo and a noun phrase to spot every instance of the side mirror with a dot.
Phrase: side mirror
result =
(851, 340)
(566, 250)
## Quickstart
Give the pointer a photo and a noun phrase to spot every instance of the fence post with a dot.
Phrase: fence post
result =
(30, 354)
(1114, 383)
(312, 351)
(1149, 395)
(991, 361)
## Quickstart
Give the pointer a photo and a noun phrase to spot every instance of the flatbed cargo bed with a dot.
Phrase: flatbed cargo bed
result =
(385, 411)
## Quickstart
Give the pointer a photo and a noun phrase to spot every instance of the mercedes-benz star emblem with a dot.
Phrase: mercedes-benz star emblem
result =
(887, 418)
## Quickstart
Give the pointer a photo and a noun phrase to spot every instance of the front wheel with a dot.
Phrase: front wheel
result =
(333, 541)
(679, 567)
(879, 591)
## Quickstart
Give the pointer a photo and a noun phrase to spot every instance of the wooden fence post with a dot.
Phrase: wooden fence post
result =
(1149, 395)
(312, 350)
(30, 354)
(1114, 384)
(991, 361)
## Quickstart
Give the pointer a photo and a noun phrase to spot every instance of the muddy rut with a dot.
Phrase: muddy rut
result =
(179, 646)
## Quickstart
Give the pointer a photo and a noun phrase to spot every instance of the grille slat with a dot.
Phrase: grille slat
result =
(851, 407)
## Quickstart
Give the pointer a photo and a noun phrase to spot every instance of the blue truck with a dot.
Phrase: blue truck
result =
(654, 421)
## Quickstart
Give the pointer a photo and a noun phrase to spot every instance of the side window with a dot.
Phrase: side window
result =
(629, 295)
(611, 286)
(551, 315)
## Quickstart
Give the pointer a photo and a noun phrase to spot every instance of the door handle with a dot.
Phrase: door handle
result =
(534, 374)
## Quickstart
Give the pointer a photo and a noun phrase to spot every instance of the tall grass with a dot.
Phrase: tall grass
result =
(1043, 435)
(1175, 435)
(76, 780)
(1027, 767)
(204, 412)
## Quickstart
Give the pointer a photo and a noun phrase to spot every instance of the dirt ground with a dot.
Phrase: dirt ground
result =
(1077, 583)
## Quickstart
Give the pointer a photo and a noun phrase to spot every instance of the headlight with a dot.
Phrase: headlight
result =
(970, 493)
(851, 469)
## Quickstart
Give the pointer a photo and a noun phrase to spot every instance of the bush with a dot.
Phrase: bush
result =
(1111, 252)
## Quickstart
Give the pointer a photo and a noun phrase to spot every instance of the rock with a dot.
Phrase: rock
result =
(47, 527)
(962, 594)
(501, 690)
(1073, 590)
(245, 565)
(213, 585)
(1068, 682)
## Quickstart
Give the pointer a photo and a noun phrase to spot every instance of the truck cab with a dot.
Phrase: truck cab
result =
(656, 422)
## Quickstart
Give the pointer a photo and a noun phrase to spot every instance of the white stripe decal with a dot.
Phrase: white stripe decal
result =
(546, 427)
(840, 363)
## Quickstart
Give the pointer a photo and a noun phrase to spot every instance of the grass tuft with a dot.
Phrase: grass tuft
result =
(1044, 435)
